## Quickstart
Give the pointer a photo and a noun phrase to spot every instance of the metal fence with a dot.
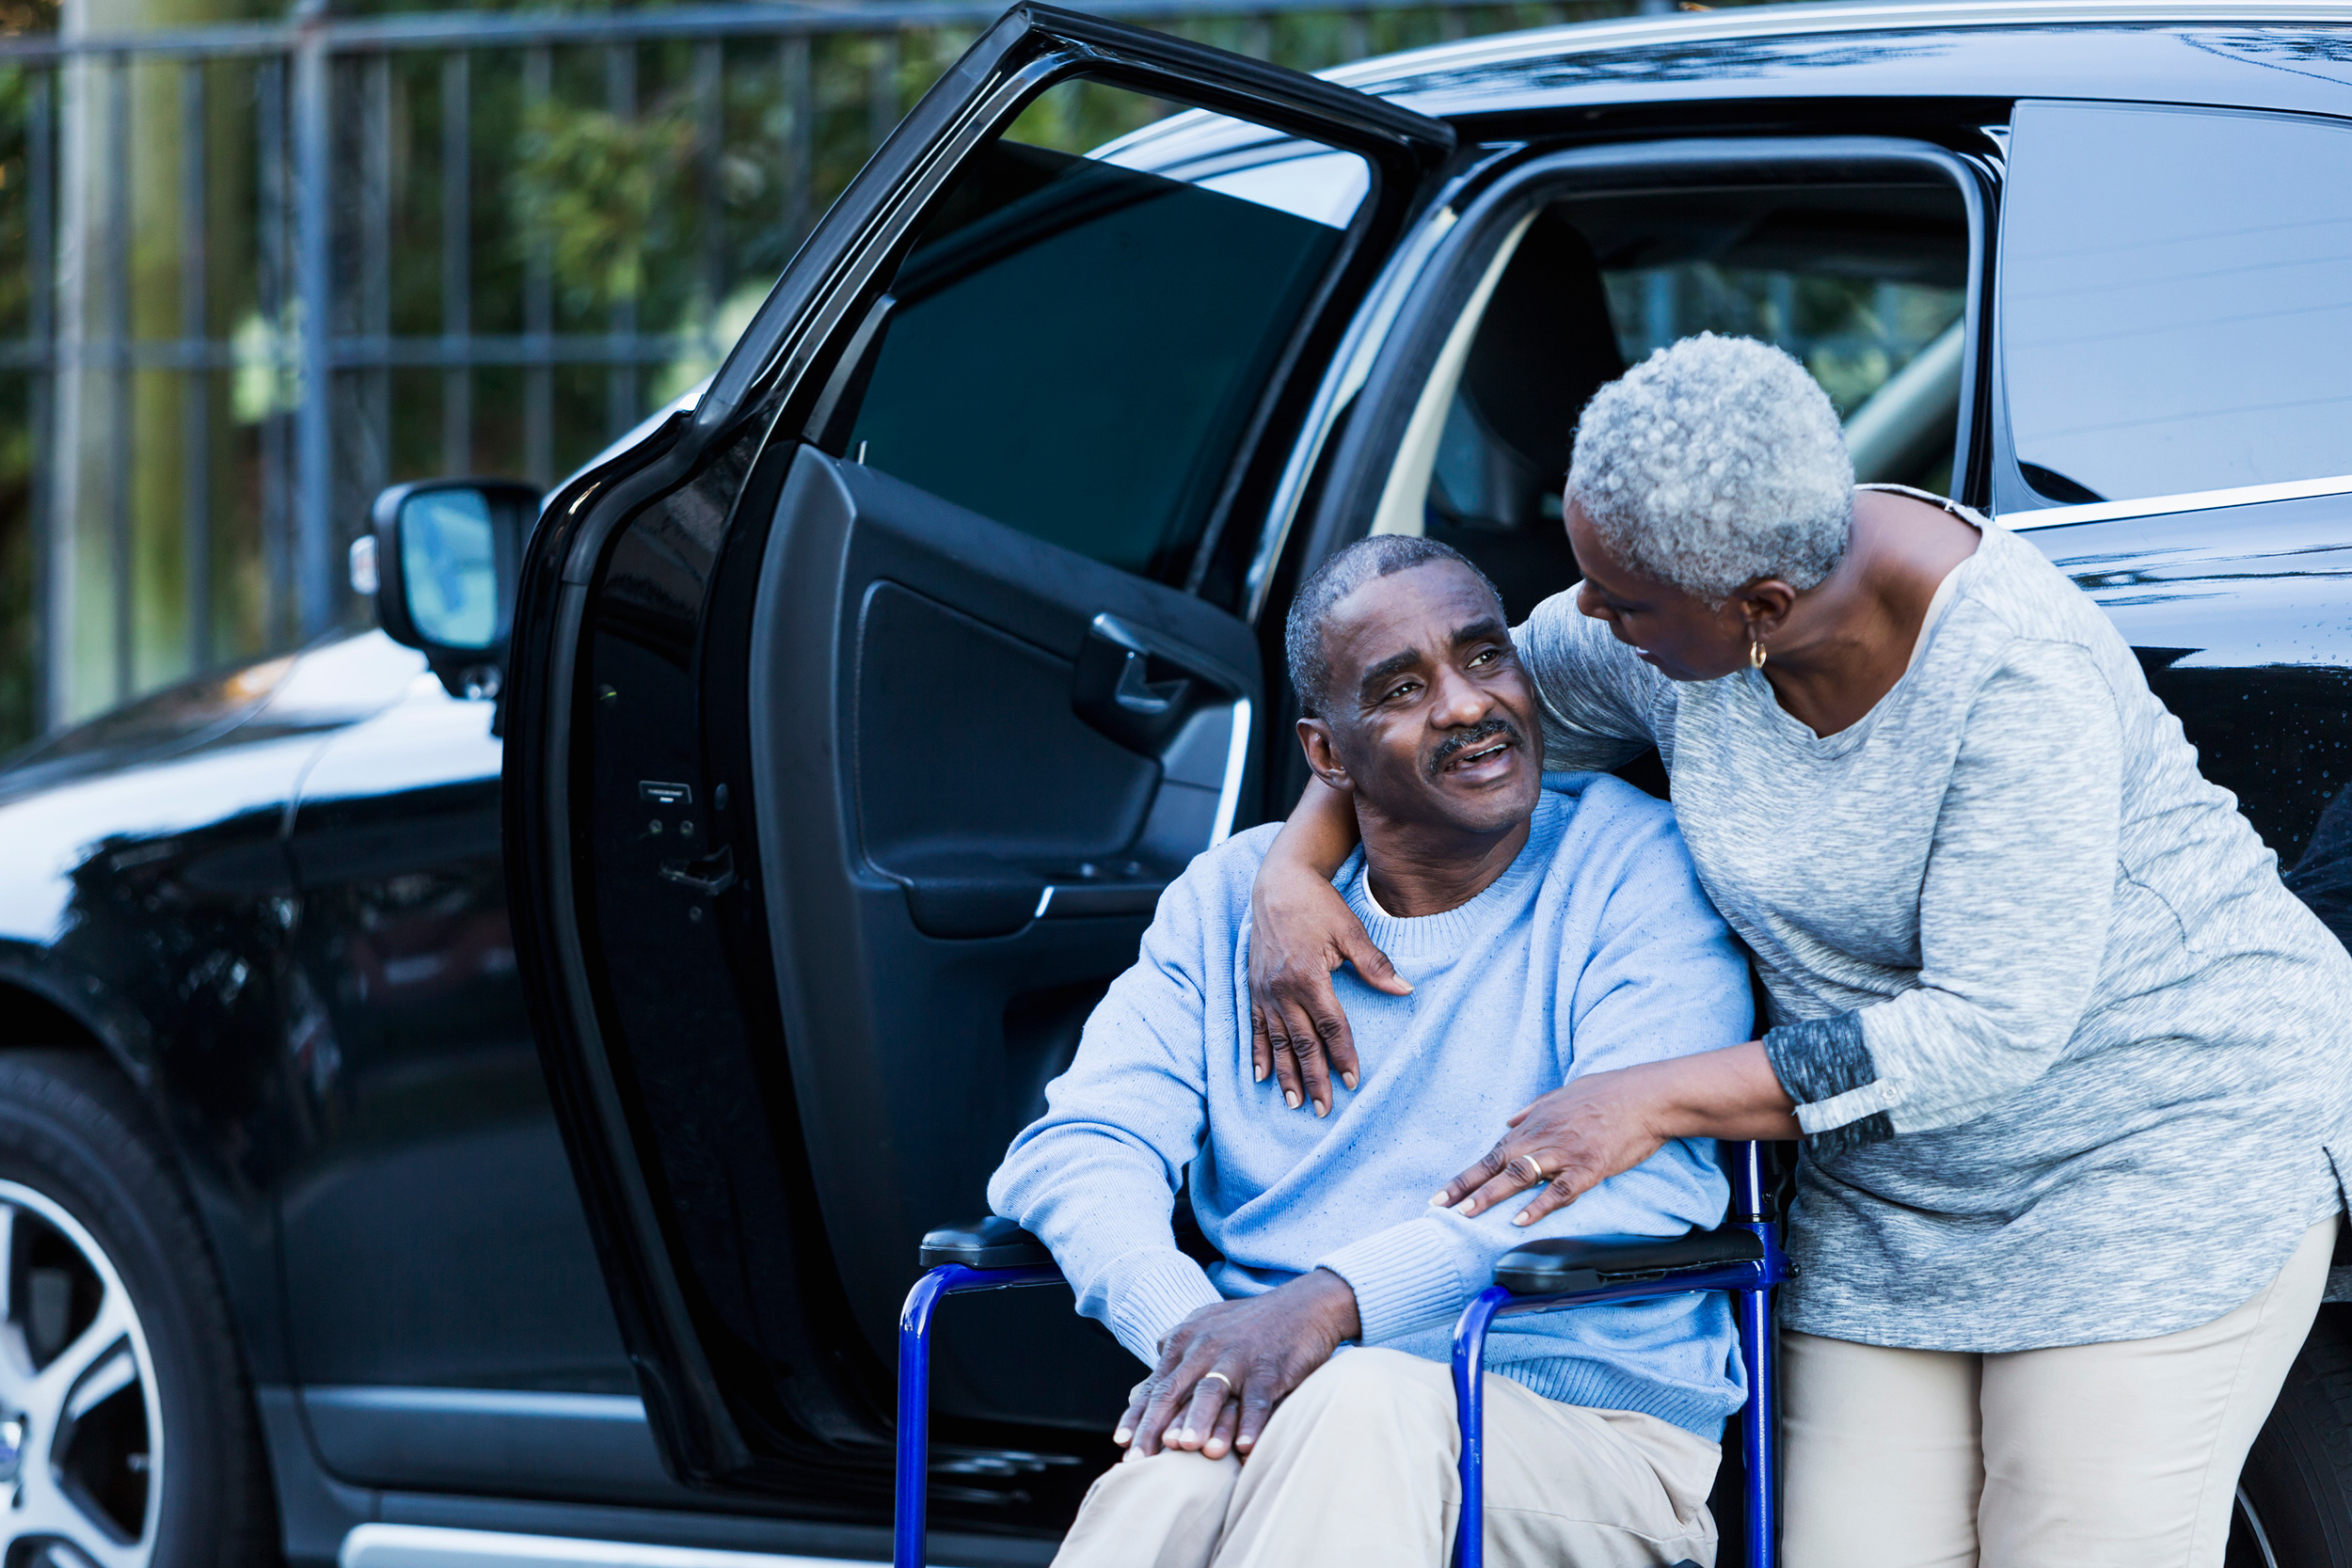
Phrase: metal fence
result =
(261, 269)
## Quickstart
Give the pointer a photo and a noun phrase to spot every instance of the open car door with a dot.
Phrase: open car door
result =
(858, 718)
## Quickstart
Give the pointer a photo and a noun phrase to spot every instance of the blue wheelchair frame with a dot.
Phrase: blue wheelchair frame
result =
(1524, 1282)
(1742, 1257)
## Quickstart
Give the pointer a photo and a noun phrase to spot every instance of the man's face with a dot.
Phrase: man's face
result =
(1429, 713)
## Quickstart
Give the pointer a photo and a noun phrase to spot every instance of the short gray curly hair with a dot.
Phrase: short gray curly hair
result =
(1715, 462)
(1379, 556)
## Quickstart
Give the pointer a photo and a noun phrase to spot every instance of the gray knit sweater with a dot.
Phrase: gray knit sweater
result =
(2073, 1064)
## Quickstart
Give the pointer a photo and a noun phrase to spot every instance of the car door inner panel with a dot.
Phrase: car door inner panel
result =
(1000, 856)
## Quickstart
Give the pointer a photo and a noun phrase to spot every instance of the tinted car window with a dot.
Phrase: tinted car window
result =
(2176, 313)
(1077, 344)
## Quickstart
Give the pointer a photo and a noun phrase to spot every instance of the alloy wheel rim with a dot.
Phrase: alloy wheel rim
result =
(81, 1423)
(2250, 1543)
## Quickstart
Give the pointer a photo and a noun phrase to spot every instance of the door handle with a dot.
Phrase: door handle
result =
(1139, 693)
(1135, 688)
(1076, 900)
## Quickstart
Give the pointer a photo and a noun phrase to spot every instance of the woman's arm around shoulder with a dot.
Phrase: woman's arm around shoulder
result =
(1660, 1020)
(1595, 698)
(1300, 930)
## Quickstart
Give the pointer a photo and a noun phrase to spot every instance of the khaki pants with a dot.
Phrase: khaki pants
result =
(1355, 1469)
(2081, 1457)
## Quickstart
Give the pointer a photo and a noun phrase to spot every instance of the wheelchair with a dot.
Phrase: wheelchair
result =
(1742, 1256)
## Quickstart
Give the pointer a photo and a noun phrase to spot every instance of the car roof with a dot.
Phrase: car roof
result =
(2306, 33)
(2270, 55)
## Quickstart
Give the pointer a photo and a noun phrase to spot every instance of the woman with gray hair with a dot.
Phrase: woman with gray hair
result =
(2070, 1064)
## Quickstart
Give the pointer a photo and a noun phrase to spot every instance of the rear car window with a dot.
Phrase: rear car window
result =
(1077, 342)
(2175, 309)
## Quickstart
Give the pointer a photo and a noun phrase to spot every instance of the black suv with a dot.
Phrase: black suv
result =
(429, 1148)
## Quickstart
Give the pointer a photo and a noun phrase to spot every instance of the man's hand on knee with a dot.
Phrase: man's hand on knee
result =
(1223, 1369)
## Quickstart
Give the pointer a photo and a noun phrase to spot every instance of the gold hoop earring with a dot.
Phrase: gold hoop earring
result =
(1756, 653)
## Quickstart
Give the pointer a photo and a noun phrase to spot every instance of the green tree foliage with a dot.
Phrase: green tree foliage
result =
(647, 203)
(601, 187)
(17, 591)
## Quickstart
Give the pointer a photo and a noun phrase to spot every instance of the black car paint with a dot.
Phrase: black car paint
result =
(275, 897)
(152, 905)
(2243, 619)
(173, 890)
(236, 911)
(768, 1379)
(663, 1122)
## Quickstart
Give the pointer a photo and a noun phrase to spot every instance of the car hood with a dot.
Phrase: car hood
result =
(196, 778)
(329, 685)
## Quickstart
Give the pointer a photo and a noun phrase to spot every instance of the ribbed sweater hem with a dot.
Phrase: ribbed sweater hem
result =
(1159, 1293)
(1404, 1278)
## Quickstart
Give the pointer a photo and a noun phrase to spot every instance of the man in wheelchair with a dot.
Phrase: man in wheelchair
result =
(1300, 1409)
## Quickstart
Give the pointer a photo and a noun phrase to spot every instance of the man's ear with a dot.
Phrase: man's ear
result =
(1314, 738)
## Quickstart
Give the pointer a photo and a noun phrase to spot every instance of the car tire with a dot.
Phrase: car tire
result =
(2294, 1496)
(133, 1442)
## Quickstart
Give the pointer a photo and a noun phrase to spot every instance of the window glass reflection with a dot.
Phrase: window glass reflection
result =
(449, 571)
(1078, 339)
(2176, 314)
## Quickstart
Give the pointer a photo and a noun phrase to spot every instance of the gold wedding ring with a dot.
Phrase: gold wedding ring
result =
(1221, 1378)
(1535, 1170)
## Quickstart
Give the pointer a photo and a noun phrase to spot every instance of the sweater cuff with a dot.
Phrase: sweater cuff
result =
(1163, 1290)
(1825, 1065)
(1404, 1277)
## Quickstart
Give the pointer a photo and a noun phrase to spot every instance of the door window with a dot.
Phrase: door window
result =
(1863, 283)
(1078, 339)
(2176, 314)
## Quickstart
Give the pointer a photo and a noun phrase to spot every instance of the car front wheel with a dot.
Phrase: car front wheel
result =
(126, 1439)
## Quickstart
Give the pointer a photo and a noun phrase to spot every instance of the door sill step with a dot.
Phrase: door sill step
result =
(435, 1546)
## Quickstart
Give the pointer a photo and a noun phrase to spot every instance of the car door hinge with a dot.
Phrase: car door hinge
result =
(711, 874)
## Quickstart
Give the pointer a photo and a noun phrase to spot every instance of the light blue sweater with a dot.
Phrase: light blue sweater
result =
(1594, 949)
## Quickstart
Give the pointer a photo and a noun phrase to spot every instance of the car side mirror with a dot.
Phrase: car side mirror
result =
(440, 560)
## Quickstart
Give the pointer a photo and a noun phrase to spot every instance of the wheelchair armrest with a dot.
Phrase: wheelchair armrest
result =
(994, 1243)
(1557, 1266)
(997, 1242)
(1188, 1238)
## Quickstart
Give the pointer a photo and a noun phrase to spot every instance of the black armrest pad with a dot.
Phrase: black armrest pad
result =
(1188, 1238)
(994, 1242)
(997, 1242)
(1587, 1263)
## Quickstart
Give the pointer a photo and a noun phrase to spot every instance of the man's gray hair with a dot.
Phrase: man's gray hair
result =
(1379, 556)
(1713, 463)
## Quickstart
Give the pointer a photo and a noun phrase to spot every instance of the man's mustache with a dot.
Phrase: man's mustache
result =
(1485, 730)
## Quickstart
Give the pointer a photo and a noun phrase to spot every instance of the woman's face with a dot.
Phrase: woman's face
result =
(1672, 631)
